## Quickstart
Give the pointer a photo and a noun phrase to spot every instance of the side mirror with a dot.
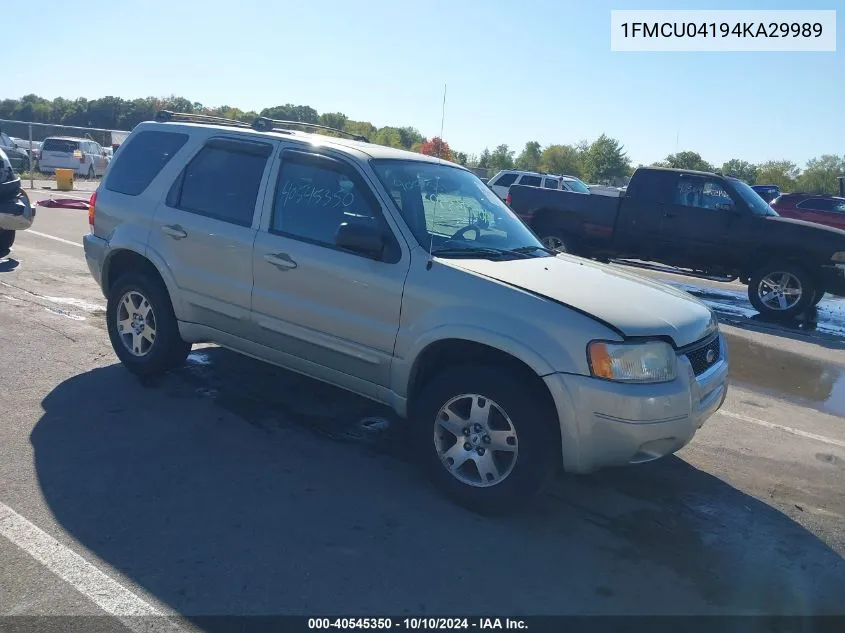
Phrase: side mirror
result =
(359, 237)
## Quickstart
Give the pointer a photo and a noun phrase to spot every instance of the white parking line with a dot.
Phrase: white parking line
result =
(787, 429)
(53, 237)
(105, 592)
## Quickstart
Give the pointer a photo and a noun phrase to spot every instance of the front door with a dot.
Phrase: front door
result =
(334, 310)
(204, 231)
(697, 223)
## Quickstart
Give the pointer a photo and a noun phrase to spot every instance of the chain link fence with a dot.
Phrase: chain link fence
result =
(23, 142)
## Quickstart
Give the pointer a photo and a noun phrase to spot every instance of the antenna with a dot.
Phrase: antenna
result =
(439, 159)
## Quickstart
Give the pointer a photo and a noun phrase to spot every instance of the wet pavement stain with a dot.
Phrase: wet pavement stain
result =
(787, 375)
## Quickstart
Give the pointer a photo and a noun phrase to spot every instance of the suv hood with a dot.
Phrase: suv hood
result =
(634, 305)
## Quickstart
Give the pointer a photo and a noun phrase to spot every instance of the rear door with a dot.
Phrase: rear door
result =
(827, 211)
(58, 153)
(334, 312)
(206, 226)
(529, 180)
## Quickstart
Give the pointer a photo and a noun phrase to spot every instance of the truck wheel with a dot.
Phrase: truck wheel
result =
(142, 327)
(7, 238)
(557, 241)
(781, 289)
(485, 440)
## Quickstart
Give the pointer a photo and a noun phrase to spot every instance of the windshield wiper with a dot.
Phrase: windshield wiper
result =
(473, 251)
(530, 249)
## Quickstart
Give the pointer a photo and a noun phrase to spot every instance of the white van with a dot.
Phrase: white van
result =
(84, 156)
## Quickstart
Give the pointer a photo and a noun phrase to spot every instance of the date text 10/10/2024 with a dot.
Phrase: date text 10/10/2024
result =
(415, 624)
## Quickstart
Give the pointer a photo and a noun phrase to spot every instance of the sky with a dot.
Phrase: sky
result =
(514, 70)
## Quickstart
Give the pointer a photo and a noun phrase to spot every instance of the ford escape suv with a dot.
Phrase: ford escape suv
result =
(404, 279)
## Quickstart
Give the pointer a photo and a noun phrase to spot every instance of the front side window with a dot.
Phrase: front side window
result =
(450, 208)
(315, 195)
(576, 185)
(701, 193)
(222, 181)
(755, 203)
(551, 183)
(530, 181)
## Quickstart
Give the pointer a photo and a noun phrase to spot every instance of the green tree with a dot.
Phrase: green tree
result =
(337, 120)
(688, 160)
(387, 136)
(741, 169)
(484, 159)
(290, 112)
(820, 175)
(562, 159)
(461, 158)
(783, 173)
(529, 159)
(606, 161)
(501, 158)
(410, 136)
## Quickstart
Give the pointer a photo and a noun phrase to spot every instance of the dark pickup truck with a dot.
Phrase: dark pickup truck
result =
(704, 224)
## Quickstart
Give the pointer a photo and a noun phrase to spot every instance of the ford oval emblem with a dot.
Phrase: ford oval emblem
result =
(710, 356)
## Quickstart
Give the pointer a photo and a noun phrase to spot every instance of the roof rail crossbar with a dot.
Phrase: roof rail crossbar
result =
(163, 116)
(264, 124)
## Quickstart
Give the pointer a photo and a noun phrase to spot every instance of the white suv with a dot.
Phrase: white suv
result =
(84, 156)
(502, 181)
(404, 279)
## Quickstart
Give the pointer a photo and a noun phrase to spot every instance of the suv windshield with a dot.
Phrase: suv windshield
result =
(576, 185)
(451, 210)
(757, 205)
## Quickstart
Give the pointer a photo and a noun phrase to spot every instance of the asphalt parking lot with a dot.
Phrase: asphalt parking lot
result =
(232, 487)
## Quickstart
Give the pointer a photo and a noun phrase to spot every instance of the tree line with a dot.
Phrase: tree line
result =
(603, 160)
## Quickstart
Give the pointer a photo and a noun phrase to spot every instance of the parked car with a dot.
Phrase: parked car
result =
(767, 192)
(700, 222)
(84, 156)
(31, 148)
(501, 182)
(325, 256)
(16, 212)
(821, 209)
(17, 157)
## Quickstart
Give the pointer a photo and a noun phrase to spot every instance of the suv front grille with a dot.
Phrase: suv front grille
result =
(705, 356)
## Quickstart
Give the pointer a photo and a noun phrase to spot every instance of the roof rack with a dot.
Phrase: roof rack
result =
(264, 124)
(163, 116)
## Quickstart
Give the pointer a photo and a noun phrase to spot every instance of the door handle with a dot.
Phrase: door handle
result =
(174, 230)
(282, 261)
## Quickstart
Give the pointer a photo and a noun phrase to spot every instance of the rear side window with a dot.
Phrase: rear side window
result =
(531, 181)
(141, 160)
(60, 145)
(505, 181)
(551, 183)
(222, 181)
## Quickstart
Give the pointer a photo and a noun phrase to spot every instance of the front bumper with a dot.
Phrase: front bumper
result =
(605, 423)
(833, 279)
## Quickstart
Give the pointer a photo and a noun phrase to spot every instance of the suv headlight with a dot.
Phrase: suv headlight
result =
(643, 362)
(838, 257)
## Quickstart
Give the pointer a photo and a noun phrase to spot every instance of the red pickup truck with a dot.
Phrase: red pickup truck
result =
(821, 209)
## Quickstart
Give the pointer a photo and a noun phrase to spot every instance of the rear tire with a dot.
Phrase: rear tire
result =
(7, 238)
(557, 241)
(781, 289)
(512, 414)
(142, 327)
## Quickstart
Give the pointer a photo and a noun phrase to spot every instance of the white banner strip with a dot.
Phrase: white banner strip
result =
(723, 30)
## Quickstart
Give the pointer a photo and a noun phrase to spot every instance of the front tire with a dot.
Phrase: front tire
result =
(781, 289)
(142, 327)
(7, 238)
(817, 297)
(487, 440)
